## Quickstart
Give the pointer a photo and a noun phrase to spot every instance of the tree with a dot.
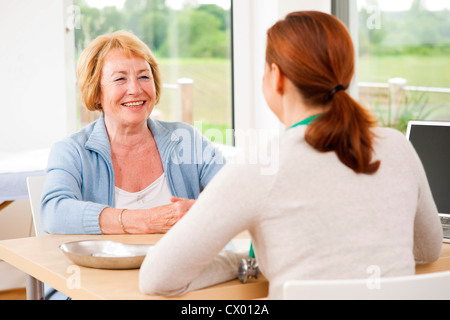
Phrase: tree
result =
(200, 31)
(416, 31)
(423, 24)
(153, 29)
(111, 21)
(195, 33)
(417, 6)
(218, 12)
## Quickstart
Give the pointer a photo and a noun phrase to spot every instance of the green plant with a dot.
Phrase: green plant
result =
(414, 106)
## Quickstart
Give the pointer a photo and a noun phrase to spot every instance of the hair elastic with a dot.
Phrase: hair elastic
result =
(336, 89)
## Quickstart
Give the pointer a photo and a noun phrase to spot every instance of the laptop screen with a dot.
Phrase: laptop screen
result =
(432, 143)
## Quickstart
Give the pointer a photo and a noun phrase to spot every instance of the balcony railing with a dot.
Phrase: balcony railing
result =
(395, 102)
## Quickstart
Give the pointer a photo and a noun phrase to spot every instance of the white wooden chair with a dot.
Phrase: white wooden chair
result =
(431, 286)
(35, 186)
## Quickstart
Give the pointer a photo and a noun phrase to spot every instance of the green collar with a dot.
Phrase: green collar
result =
(306, 121)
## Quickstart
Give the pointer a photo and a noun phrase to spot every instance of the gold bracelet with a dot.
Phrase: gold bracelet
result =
(120, 221)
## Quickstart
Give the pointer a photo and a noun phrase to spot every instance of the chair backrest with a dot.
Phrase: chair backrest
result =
(35, 186)
(431, 286)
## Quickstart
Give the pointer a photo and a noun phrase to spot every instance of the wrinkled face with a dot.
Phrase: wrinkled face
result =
(128, 92)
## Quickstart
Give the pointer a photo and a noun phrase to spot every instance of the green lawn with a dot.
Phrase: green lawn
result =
(212, 84)
(418, 70)
(212, 100)
(426, 71)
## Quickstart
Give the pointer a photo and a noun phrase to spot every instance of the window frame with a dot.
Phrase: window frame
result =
(251, 19)
(347, 12)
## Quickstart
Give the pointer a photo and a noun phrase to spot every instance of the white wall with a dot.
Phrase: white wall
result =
(251, 20)
(37, 90)
(15, 222)
(37, 83)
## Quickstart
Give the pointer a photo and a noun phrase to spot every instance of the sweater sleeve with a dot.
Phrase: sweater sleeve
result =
(428, 232)
(63, 210)
(191, 256)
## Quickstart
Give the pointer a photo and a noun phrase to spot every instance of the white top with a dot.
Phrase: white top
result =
(155, 195)
(311, 218)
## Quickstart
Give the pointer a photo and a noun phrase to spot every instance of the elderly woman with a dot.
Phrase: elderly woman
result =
(125, 172)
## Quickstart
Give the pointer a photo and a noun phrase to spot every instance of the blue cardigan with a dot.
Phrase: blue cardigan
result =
(80, 175)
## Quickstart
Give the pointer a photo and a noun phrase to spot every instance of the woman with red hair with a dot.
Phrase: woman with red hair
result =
(347, 196)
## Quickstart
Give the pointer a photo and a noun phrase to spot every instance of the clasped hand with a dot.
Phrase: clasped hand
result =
(144, 221)
(170, 214)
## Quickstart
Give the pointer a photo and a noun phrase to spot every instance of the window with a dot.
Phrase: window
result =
(192, 42)
(404, 60)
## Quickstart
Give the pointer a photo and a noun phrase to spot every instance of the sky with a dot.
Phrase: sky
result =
(385, 5)
(173, 3)
(404, 5)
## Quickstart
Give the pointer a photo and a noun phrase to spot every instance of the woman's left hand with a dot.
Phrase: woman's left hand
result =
(175, 199)
(162, 219)
(182, 205)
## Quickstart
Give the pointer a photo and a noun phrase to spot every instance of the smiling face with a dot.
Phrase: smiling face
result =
(128, 92)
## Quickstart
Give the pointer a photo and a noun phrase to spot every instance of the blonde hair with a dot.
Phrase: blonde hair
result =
(90, 64)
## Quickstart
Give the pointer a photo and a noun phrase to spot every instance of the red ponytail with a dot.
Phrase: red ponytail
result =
(315, 51)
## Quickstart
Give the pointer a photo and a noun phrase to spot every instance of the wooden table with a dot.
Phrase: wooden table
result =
(443, 264)
(43, 261)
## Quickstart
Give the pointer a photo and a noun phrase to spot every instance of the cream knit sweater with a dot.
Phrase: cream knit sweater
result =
(311, 218)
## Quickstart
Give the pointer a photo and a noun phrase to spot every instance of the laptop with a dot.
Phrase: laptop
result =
(431, 139)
